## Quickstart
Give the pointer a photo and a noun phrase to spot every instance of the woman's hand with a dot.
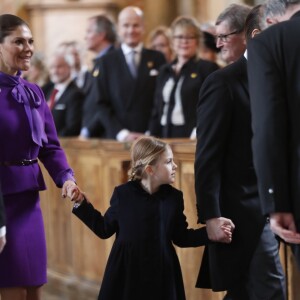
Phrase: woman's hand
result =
(71, 190)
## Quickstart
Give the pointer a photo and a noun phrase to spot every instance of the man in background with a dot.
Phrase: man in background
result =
(100, 38)
(127, 80)
(65, 99)
(79, 70)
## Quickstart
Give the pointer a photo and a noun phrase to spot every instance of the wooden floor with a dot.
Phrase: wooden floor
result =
(48, 296)
(48, 293)
(51, 295)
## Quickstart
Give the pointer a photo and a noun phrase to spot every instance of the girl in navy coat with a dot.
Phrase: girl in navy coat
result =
(146, 214)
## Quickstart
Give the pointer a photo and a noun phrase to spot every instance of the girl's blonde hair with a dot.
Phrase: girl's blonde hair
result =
(144, 151)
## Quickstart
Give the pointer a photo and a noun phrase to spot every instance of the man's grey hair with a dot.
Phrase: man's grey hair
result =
(68, 58)
(235, 15)
(275, 8)
(106, 25)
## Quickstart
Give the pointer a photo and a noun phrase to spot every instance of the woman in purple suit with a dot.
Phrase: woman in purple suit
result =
(27, 134)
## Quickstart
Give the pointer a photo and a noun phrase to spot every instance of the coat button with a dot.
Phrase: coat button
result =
(270, 191)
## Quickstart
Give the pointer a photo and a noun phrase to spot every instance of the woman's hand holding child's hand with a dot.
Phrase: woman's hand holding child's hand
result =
(71, 190)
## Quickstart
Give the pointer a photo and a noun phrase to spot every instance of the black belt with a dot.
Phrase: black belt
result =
(23, 162)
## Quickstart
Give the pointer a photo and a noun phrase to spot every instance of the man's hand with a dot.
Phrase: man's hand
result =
(220, 229)
(132, 136)
(283, 225)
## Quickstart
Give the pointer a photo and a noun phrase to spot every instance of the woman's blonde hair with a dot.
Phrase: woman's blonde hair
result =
(190, 24)
(157, 31)
(144, 151)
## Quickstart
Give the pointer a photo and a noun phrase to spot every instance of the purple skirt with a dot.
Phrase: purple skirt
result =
(23, 261)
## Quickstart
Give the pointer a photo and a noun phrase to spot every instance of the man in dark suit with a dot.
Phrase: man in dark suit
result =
(65, 99)
(100, 38)
(274, 79)
(127, 80)
(2, 224)
(225, 181)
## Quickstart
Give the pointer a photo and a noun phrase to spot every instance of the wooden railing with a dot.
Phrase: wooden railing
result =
(77, 258)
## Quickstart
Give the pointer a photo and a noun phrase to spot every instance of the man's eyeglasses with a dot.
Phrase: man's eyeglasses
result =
(224, 37)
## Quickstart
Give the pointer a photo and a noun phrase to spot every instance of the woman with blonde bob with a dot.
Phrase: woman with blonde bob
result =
(179, 83)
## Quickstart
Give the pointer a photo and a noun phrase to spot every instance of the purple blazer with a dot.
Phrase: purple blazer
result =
(18, 120)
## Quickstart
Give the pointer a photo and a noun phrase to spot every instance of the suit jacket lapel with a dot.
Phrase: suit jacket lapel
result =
(243, 78)
(143, 68)
(126, 79)
(124, 65)
(145, 65)
(65, 93)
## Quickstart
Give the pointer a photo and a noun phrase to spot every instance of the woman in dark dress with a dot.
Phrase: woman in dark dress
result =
(146, 214)
(179, 82)
(27, 134)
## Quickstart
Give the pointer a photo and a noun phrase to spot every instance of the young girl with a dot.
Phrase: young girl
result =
(147, 216)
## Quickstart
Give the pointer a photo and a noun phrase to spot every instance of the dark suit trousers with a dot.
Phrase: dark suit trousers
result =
(265, 279)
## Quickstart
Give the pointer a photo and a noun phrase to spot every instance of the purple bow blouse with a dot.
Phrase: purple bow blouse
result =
(27, 131)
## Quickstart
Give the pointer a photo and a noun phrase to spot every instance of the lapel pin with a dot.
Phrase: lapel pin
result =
(96, 72)
(150, 64)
